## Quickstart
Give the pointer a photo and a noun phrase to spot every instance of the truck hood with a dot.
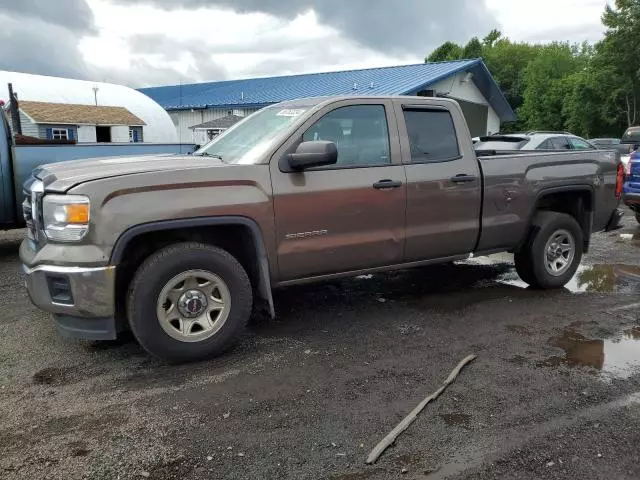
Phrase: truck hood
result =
(60, 177)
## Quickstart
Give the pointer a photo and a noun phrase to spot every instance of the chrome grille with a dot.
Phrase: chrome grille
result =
(31, 207)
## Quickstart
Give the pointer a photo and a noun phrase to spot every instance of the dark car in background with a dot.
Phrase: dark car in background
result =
(611, 144)
(534, 141)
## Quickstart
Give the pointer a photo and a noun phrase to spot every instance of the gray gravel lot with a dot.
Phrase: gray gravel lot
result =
(554, 393)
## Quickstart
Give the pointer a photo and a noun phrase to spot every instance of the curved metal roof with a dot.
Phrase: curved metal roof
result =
(39, 88)
(399, 80)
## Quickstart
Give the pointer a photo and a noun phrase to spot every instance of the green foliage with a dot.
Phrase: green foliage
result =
(473, 49)
(590, 90)
(445, 52)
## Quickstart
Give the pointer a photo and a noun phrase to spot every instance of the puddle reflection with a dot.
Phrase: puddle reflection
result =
(622, 279)
(619, 357)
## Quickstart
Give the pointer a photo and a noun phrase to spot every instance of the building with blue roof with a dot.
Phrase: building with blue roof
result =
(194, 106)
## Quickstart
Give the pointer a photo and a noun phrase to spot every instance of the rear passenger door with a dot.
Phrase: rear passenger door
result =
(348, 216)
(443, 182)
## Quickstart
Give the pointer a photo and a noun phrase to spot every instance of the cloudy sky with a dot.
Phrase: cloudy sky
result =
(159, 42)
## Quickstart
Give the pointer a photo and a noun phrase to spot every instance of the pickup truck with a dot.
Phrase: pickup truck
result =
(18, 161)
(180, 249)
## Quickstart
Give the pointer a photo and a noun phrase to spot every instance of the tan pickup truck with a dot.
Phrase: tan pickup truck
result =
(180, 248)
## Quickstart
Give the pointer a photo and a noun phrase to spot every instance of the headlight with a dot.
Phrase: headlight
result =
(65, 218)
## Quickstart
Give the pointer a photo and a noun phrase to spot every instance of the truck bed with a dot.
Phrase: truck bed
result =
(513, 181)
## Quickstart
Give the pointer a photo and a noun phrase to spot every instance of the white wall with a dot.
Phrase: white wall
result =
(86, 134)
(456, 88)
(493, 122)
(120, 134)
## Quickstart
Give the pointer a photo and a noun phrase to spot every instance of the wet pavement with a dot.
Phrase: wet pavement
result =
(554, 393)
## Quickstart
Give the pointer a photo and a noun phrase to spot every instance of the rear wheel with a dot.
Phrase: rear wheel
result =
(553, 251)
(188, 302)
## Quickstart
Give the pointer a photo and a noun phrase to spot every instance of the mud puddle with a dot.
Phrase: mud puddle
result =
(616, 278)
(617, 357)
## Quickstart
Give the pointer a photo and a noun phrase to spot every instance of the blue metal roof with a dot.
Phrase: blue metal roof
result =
(258, 92)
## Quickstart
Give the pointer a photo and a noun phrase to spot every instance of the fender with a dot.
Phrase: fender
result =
(562, 189)
(264, 279)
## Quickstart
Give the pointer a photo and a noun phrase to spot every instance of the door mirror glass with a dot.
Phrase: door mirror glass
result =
(314, 153)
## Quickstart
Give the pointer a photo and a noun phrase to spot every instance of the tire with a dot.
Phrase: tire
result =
(556, 231)
(208, 322)
(638, 217)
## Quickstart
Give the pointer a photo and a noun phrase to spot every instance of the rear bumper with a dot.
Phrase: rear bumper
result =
(632, 199)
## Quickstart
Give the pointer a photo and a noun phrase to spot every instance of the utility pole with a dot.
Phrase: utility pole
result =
(15, 111)
(95, 94)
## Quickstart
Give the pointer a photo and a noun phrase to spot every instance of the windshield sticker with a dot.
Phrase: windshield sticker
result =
(290, 112)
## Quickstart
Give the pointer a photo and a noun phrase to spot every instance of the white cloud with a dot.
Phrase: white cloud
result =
(549, 20)
(240, 44)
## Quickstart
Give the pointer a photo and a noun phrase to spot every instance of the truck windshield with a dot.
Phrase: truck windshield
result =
(245, 142)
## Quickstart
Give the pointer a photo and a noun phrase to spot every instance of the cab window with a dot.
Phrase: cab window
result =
(360, 133)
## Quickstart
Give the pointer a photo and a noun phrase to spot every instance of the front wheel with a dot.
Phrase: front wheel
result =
(553, 251)
(189, 302)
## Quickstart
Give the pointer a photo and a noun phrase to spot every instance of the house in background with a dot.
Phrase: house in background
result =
(467, 81)
(80, 123)
(204, 132)
(85, 111)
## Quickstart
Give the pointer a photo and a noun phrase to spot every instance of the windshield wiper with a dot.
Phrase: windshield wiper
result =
(212, 155)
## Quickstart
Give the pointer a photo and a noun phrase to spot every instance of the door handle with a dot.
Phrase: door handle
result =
(462, 178)
(384, 184)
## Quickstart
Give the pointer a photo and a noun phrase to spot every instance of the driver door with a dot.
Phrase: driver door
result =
(348, 216)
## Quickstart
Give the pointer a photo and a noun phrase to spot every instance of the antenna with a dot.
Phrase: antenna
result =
(95, 94)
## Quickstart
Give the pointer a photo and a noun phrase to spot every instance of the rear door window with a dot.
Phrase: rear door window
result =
(546, 145)
(560, 143)
(579, 144)
(432, 136)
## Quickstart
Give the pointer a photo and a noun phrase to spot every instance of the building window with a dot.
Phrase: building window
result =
(60, 133)
(135, 134)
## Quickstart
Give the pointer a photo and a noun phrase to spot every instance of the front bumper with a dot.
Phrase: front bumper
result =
(82, 300)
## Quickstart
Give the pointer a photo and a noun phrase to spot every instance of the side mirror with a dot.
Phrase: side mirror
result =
(313, 154)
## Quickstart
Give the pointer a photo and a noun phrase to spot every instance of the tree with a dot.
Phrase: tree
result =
(548, 79)
(445, 52)
(493, 36)
(620, 52)
(473, 49)
(507, 62)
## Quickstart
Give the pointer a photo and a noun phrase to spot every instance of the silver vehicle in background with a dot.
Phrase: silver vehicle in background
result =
(535, 140)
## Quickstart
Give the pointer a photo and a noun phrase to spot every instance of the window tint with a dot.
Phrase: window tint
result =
(579, 144)
(560, 143)
(432, 136)
(546, 145)
(360, 132)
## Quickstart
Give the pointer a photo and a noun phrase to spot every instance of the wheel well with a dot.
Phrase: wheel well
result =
(238, 240)
(578, 204)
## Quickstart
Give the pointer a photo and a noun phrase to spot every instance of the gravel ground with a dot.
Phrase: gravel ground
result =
(554, 392)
